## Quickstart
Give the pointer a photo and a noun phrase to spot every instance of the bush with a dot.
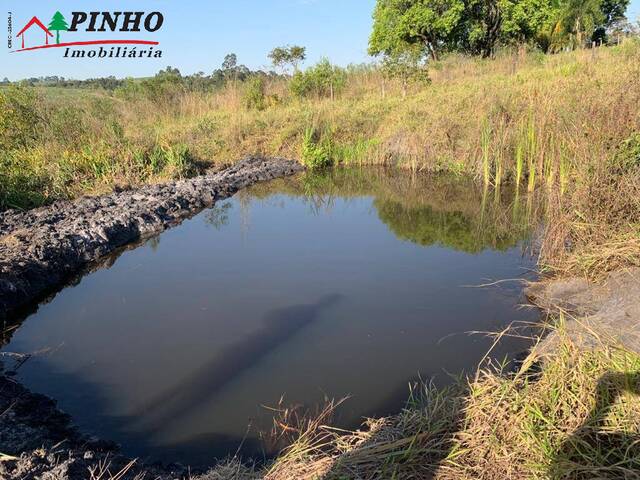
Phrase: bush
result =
(315, 154)
(171, 161)
(20, 120)
(254, 96)
(627, 158)
(323, 80)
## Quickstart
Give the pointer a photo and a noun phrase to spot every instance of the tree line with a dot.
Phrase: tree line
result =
(409, 30)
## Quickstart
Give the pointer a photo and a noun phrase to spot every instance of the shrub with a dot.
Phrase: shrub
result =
(20, 120)
(627, 157)
(315, 154)
(254, 96)
(323, 80)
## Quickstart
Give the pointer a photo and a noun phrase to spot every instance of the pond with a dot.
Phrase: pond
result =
(350, 283)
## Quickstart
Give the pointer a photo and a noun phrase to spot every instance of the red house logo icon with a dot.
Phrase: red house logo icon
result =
(32, 22)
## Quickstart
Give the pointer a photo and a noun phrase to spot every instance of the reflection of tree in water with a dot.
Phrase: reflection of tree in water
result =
(154, 243)
(425, 209)
(218, 215)
(425, 226)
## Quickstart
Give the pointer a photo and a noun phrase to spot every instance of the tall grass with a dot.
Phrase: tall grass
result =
(527, 118)
(564, 414)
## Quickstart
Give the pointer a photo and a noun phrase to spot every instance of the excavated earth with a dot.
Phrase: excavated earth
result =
(594, 314)
(43, 249)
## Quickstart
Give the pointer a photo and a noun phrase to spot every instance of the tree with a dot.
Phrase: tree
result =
(528, 21)
(288, 55)
(406, 66)
(230, 61)
(323, 79)
(580, 19)
(477, 27)
(613, 15)
(58, 24)
(402, 24)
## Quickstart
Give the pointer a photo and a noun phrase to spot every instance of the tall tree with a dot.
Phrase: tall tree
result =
(58, 24)
(230, 61)
(528, 21)
(613, 13)
(482, 26)
(400, 24)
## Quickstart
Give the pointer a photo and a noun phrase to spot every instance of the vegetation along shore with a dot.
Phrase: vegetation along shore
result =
(536, 96)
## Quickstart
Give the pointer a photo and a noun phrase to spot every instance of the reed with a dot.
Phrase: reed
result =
(485, 148)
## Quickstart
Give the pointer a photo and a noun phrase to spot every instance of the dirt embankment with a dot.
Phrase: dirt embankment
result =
(41, 248)
(39, 251)
(593, 314)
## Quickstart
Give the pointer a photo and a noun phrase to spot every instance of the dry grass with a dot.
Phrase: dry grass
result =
(576, 418)
(552, 123)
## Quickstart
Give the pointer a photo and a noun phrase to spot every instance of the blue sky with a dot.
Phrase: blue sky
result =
(197, 34)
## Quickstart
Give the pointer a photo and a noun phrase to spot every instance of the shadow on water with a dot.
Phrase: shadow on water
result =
(231, 362)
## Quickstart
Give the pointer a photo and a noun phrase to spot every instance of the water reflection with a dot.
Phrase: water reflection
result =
(348, 283)
(426, 210)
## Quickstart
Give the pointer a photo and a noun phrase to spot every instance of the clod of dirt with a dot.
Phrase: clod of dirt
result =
(594, 313)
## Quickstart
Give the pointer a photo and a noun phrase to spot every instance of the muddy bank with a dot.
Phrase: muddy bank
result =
(594, 314)
(41, 248)
(39, 441)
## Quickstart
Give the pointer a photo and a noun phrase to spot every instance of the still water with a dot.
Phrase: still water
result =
(352, 283)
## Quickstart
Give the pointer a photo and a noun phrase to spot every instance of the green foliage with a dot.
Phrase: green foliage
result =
(407, 66)
(627, 158)
(173, 161)
(20, 120)
(478, 26)
(254, 94)
(21, 185)
(281, 57)
(427, 24)
(354, 152)
(230, 61)
(315, 153)
(321, 80)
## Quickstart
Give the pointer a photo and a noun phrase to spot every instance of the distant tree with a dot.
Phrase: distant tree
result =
(281, 57)
(322, 79)
(58, 24)
(297, 55)
(230, 61)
